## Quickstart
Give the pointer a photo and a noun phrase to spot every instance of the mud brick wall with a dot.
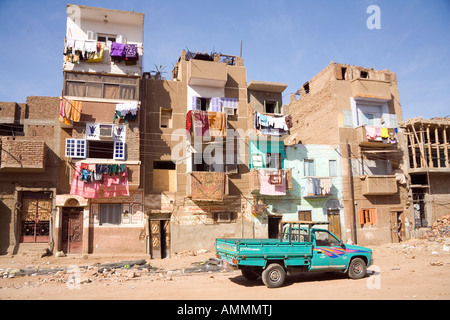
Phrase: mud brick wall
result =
(23, 153)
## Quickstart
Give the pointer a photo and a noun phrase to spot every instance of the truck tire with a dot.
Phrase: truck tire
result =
(357, 268)
(273, 276)
(249, 273)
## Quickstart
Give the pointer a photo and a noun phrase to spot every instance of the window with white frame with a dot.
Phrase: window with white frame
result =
(76, 148)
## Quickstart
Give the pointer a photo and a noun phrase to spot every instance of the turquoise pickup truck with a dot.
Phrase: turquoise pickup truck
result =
(302, 247)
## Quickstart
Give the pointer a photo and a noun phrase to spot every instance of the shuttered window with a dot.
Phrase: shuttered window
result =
(367, 216)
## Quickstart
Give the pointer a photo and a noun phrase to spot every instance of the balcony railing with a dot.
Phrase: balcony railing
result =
(22, 154)
(371, 89)
(270, 186)
(370, 136)
(207, 73)
(378, 185)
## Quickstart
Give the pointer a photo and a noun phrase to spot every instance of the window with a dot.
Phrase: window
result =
(309, 168)
(106, 38)
(81, 149)
(273, 160)
(368, 118)
(100, 86)
(165, 120)
(324, 238)
(75, 148)
(343, 72)
(332, 165)
(11, 130)
(110, 213)
(306, 87)
(367, 216)
(101, 149)
(271, 107)
(364, 74)
(164, 176)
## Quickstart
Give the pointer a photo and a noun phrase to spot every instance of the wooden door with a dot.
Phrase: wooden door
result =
(396, 224)
(35, 217)
(334, 220)
(160, 239)
(72, 230)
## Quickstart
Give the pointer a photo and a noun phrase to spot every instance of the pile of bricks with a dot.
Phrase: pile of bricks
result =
(440, 230)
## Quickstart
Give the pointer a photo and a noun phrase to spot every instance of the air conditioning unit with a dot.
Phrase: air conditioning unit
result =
(106, 131)
(228, 111)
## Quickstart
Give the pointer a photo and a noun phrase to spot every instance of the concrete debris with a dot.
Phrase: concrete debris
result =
(440, 230)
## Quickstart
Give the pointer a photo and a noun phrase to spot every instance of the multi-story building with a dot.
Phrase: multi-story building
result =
(29, 174)
(428, 154)
(101, 207)
(358, 110)
(194, 153)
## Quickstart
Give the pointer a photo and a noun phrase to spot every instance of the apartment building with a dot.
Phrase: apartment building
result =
(29, 174)
(101, 208)
(357, 110)
(194, 153)
(428, 155)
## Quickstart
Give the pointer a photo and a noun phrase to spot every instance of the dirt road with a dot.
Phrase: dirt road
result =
(411, 270)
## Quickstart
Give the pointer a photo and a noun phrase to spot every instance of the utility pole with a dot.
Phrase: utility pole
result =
(352, 193)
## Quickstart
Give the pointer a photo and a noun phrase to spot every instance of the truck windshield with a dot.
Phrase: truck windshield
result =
(324, 238)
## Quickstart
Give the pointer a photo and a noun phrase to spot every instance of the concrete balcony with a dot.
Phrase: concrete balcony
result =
(378, 185)
(207, 73)
(364, 141)
(371, 89)
(22, 154)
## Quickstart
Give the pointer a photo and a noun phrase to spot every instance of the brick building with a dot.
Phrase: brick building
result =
(358, 110)
(29, 174)
(101, 208)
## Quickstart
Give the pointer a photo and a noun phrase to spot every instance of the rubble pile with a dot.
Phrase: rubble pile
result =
(440, 230)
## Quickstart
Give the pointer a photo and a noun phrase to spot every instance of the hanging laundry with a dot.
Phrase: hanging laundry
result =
(276, 178)
(325, 186)
(98, 57)
(131, 52)
(288, 121)
(188, 124)
(384, 133)
(126, 111)
(200, 123)
(266, 188)
(117, 51)
(70, 110)
(83, 188)
(371, 133)
(217, 124)
(392, 135)
(114, 186)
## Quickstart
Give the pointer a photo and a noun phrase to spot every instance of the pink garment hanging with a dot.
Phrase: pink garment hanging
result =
(114, 186)
(371, 133)
(81, 188)
(266, 188)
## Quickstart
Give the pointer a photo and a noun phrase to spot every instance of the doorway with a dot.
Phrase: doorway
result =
(160, 239)
(274, 226)
(72, 230)
(334, 220)
(397, 227)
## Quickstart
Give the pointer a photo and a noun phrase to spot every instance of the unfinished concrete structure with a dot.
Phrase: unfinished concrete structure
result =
(358, 109)
(428, 154)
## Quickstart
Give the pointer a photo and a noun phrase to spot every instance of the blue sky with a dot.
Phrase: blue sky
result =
(286, 41)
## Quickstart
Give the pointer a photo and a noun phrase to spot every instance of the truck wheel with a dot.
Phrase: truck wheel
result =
(357, 268)
(273, 276)
(249, 274)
